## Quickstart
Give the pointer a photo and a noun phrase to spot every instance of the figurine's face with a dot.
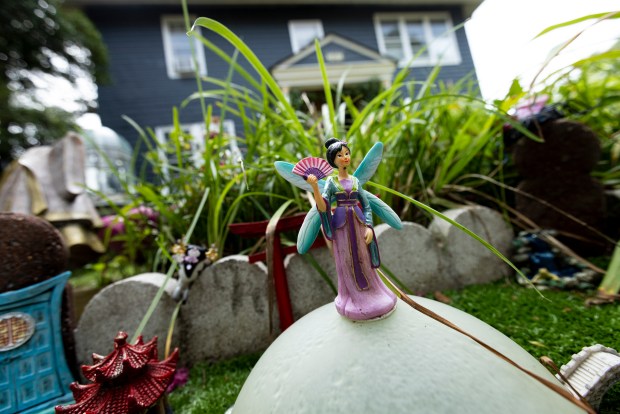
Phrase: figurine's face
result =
(343, 157)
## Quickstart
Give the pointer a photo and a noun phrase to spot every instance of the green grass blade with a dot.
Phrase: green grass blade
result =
(192, 46)
(312, 262)
(601, 16)
(233, 39)
(464, 229)
(201, 206)
(171, 269)
(326, 88)
(611, 282)
(396, 279)
(273, 222)
(140, 131)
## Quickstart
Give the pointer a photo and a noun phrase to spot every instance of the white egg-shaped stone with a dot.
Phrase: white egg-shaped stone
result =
(405, 363)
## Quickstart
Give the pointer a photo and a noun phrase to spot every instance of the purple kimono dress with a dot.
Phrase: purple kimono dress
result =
(361, 293)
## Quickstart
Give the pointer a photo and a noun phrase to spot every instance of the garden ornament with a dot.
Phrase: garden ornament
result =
(591, 373)
(406, 363)
(192, 261)
(49, 182)
(363, 296)
(361, 293)
(34, 375)
(129, 380)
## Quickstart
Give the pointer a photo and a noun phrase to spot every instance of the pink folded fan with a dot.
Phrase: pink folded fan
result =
(313, 165)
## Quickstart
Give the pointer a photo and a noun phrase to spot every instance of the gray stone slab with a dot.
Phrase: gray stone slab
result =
(413, 256)
(227, 311)
(120, 307)
(471, 262)
(307, 288)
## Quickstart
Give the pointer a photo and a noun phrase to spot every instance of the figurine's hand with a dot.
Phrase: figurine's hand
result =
(312, 180)
(368, 236)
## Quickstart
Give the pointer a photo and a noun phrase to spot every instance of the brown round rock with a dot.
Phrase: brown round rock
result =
(32, 250)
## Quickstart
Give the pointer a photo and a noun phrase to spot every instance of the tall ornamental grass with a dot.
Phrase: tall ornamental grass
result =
(434, 134)
(438, 137)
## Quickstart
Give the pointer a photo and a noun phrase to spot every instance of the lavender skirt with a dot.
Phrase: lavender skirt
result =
(364, 297)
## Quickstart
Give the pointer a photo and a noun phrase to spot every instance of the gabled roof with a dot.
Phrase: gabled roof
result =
(333, 42)
(342, 56)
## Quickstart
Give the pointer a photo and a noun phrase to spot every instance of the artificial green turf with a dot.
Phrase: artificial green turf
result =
(212, 387)
(557, 326)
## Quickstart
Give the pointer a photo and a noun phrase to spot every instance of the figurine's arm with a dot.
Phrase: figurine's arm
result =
(366, 208)
(318, 197)
(325, 213)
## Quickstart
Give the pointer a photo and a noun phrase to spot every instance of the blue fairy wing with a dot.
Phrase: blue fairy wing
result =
(308, 231)
(369, 164)
(384, 211)
(285, 169)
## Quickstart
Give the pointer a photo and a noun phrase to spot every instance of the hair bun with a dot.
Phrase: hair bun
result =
(330, 142)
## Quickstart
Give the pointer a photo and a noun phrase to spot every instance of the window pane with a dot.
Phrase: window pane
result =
(444, 46)
(181, 49)
(390, 29)
(394, 49)
(178, 38)
(304, 33)
(417, 38)
(391, 39)
(438, 27)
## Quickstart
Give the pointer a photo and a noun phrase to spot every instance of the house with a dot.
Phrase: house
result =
(150, 54)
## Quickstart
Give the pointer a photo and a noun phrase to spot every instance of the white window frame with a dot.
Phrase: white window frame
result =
(171, 69)
(197, 131)
(294, 25)
(435, 56)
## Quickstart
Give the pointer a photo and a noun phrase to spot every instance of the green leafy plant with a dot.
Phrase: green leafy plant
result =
(588, 91)
(439, 139)
(433, 133)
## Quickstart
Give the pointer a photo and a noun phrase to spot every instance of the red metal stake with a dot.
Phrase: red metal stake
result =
(279, 275)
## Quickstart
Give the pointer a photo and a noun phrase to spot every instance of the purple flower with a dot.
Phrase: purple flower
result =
(116, 224)
(531, 107)
(146, 212)
(192, 255)
(191, 259)
(181, 376)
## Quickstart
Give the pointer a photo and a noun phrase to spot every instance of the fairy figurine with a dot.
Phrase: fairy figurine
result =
(361, 293)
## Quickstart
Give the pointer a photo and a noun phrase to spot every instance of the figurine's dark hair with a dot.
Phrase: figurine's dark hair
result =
(334, 145)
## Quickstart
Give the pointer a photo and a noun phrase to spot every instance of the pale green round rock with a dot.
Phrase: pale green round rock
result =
(406, 363)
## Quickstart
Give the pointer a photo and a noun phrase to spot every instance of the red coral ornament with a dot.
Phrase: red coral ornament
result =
(127, 381)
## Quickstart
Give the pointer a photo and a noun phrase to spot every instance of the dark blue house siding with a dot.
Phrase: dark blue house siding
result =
(141, 89)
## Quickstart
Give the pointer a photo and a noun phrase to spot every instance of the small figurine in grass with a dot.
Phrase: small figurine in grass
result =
(361, 293)
(192, 260)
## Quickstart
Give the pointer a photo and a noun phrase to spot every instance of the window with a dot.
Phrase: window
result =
(303, 32)
(194, 139)
(178, 49)
(428, 39)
